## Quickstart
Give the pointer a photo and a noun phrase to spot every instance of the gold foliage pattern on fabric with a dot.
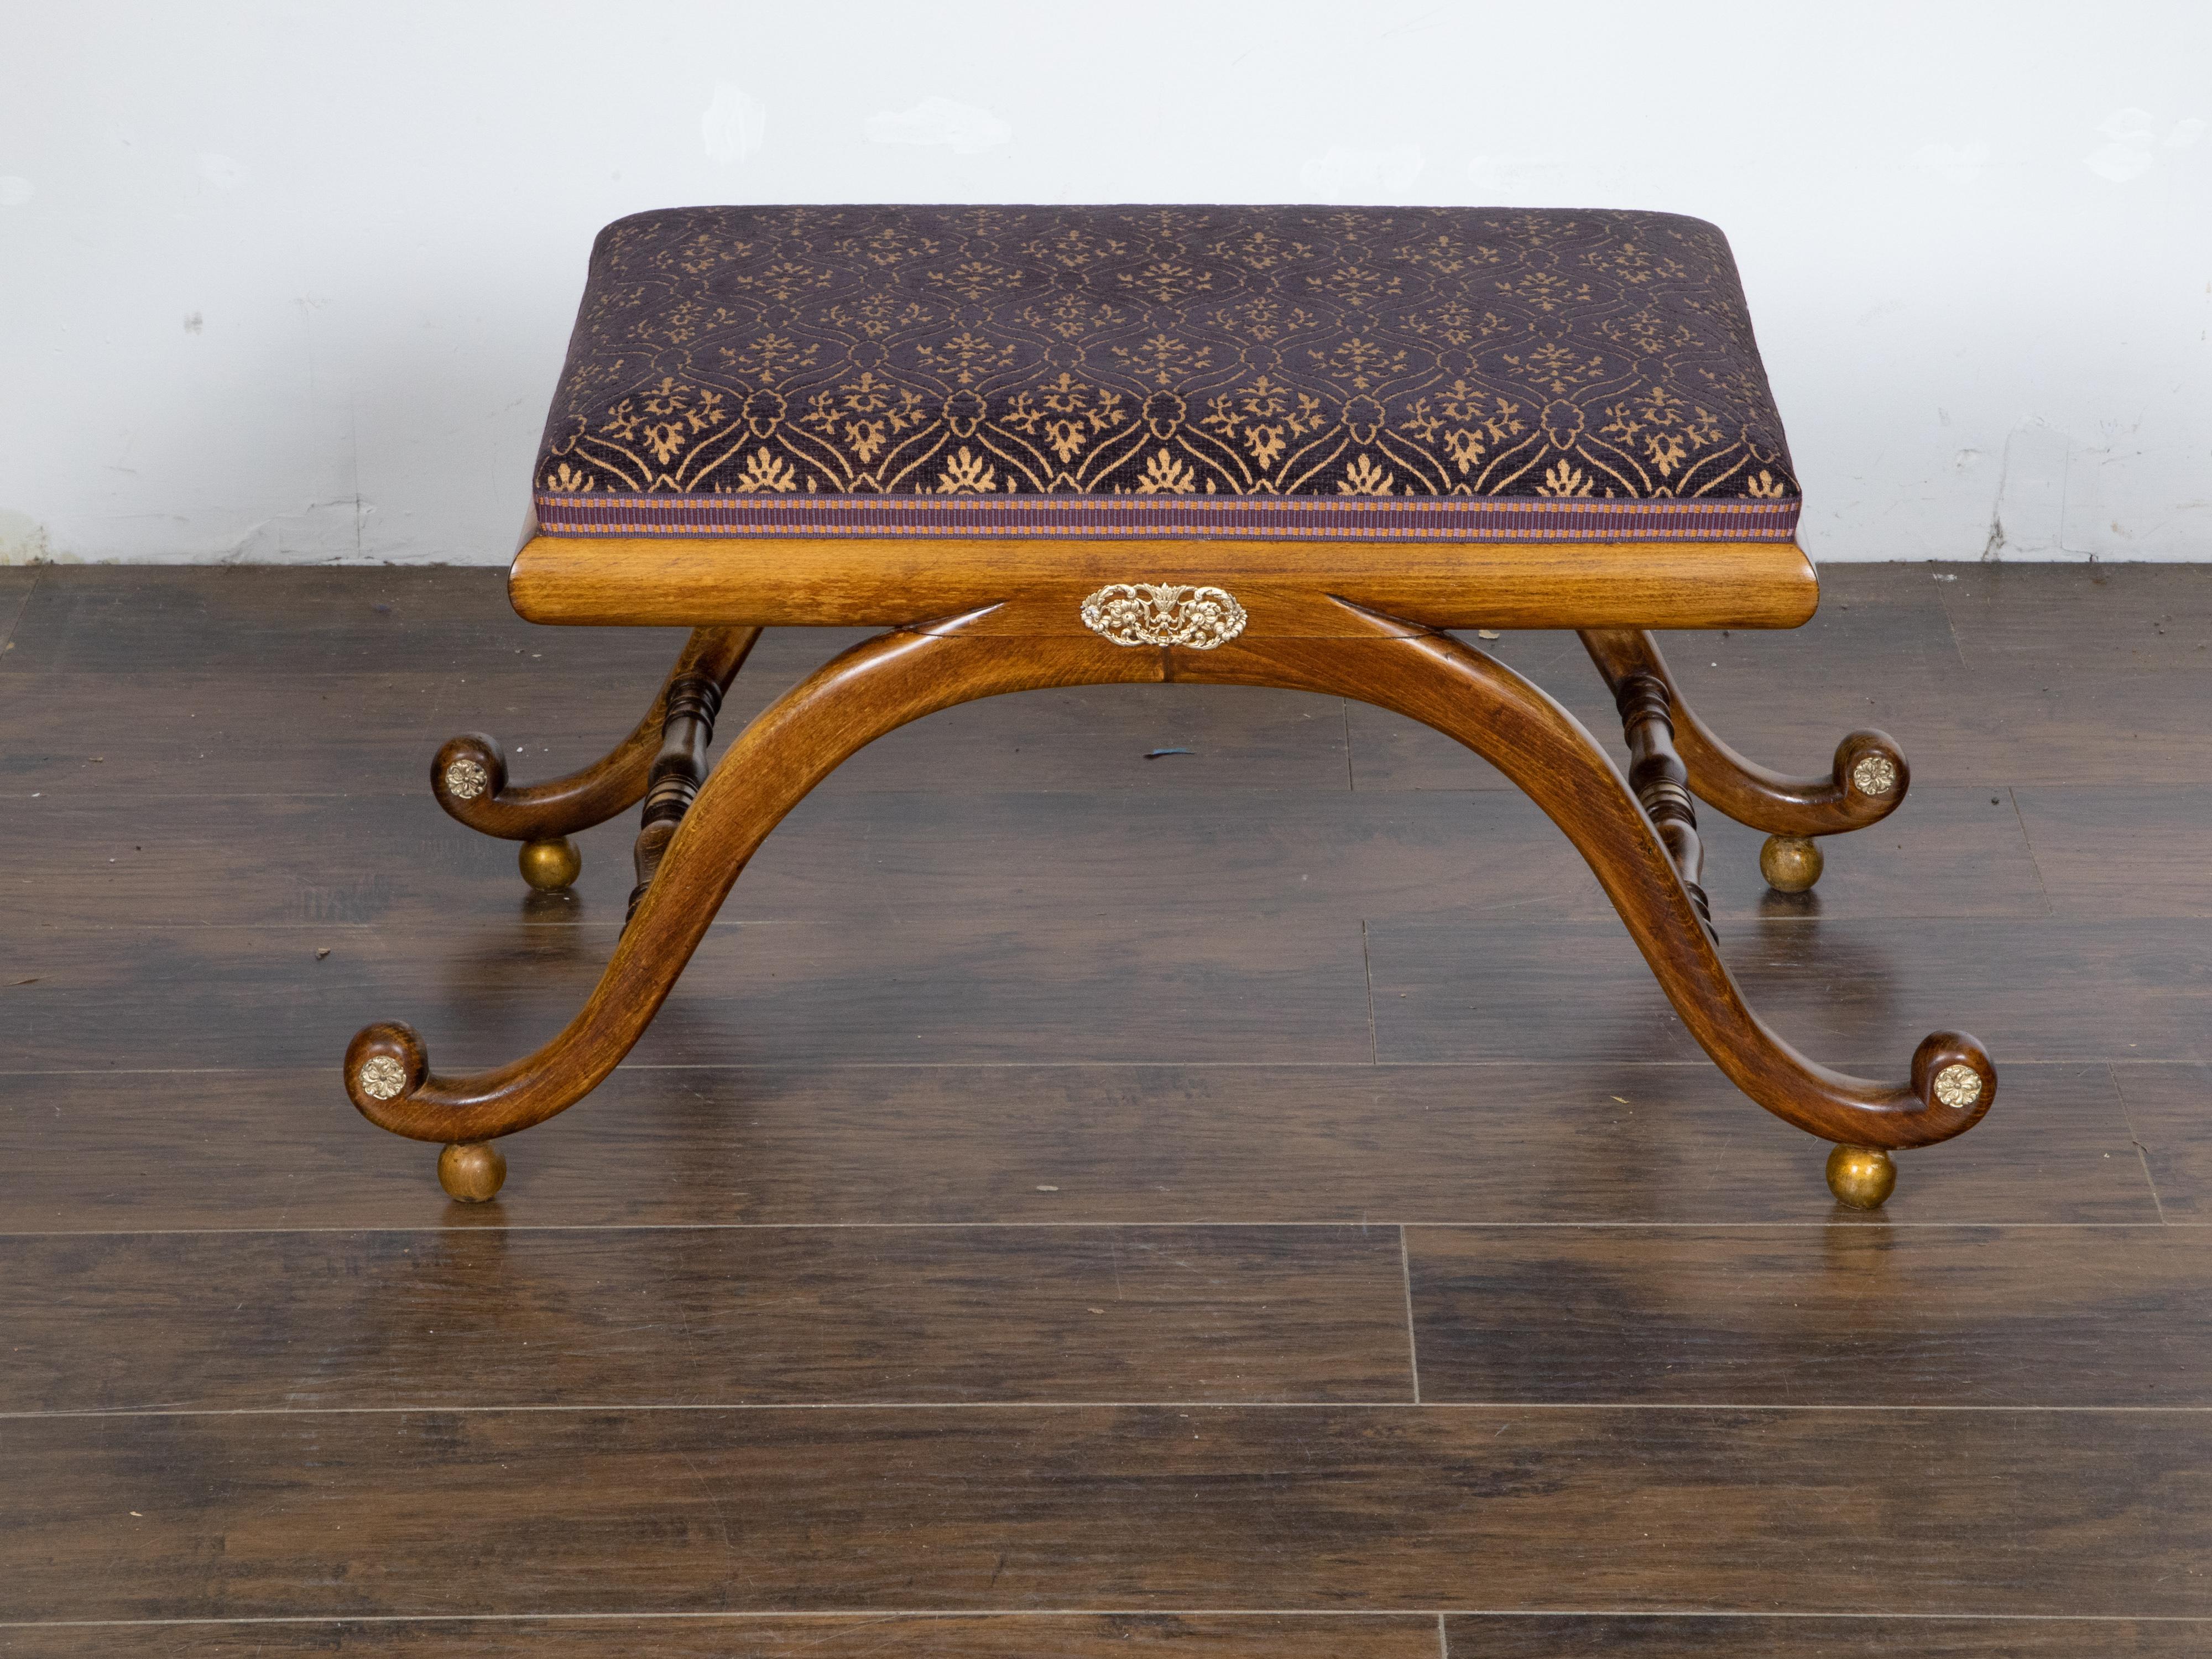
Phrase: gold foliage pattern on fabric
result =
(1105, 351)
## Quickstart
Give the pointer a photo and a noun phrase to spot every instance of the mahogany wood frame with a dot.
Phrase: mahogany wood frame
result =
(610, 785)
(1313, 624)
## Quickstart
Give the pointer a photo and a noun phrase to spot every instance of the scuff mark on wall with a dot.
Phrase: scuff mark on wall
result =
(2027, 519)
(2063, 496)
(1994, 543)
(22, 539)
(324, 532)
(309, 305)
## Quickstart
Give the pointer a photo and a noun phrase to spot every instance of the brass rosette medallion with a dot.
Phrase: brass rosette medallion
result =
(1875, 774)
(1957, 1087)
(382, 1077)
(1167, 613)
(465, 779)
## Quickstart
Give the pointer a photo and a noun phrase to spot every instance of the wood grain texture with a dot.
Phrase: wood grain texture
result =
(1689, 1636)
(1829, 803)
(1851, 1315)
(661, 1316)
(853, 857)
(711, 1635)
(1328, 1508)
(1529, 737)
(2169, 1110)
(267, 621)
(2071, 727)
(2134, 618)
(899, 676)
(549, 808)
(1111, 985)
(195, 682)
(2007, 694)
(2119, 852)
(1028, 1635)
(1112, 737)
(1878, 652)
(1947, 852)
(1082, 1026)
(806, 1143)
(848, 581)
(179, 735)
(1452, 990)
(2061, 660)
(16, 585)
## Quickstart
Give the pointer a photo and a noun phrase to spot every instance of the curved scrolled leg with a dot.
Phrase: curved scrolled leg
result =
(899, 676)
(469, 775)
(876, 686)
(1865, 785)
(1517, 728)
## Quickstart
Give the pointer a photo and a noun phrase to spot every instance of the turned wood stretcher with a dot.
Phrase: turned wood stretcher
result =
(1308, 526)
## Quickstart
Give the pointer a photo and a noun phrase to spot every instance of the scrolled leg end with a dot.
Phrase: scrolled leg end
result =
(1791, 864)
(1953, 1074)
(384, 1064)
(472, 1171)
(550, 866)
(468, 769)
(1871, 774)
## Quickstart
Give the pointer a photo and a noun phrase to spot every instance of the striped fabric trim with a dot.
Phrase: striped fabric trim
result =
(1101, 517)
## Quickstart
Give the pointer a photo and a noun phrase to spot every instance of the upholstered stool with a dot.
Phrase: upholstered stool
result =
(1065, 445)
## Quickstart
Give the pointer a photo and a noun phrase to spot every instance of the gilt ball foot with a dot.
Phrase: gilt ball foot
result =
(1861, 1176)
(472, 1171)
(1791, 864)
(550, 866)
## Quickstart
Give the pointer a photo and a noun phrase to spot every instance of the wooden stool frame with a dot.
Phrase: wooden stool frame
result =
(1363, 621)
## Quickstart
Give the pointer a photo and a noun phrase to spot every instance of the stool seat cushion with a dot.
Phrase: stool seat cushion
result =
(1181, 372)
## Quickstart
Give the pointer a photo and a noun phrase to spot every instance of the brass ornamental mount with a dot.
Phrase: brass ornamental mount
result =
(1791, 864)
(1957, 1087)
(382, 1077)
(1862, 1177)
(1875, 774)
(1163, 613)
(466, 778)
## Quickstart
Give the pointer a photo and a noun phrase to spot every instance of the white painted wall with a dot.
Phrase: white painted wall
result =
(294, 281)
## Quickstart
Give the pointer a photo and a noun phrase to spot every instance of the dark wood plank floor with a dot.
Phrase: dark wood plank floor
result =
(1251, 1201)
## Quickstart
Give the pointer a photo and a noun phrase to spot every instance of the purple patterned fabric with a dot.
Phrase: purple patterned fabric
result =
(1096, 372)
